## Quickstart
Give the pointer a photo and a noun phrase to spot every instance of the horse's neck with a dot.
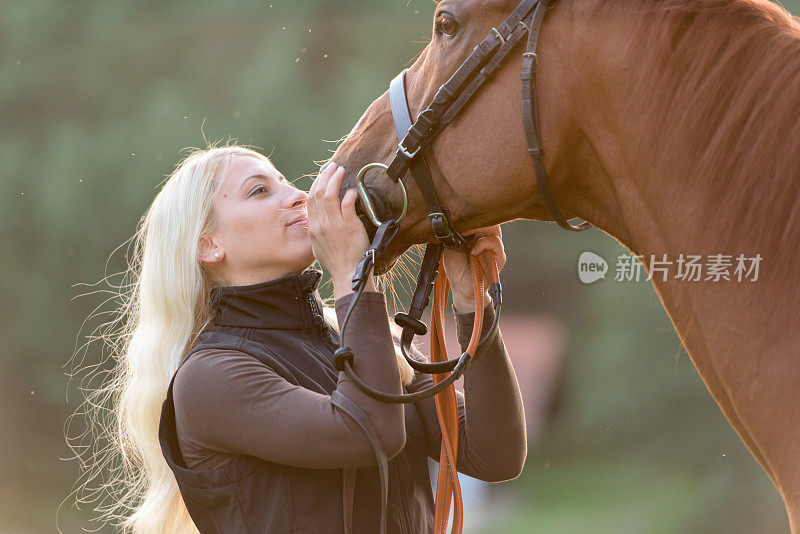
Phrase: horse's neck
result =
(656, 176)
(651, 184)
(709, 141)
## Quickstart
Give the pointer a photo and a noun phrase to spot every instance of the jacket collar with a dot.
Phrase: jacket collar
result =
(281, 304)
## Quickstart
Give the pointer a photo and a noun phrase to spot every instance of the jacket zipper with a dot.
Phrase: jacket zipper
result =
(316, 315)
(320, 325)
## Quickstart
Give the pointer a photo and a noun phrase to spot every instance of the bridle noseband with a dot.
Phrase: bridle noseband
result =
(414, 138)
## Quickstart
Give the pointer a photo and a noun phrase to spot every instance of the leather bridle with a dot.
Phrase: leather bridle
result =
(415, 138)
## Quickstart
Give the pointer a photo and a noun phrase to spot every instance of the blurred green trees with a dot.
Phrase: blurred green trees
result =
(96, 102)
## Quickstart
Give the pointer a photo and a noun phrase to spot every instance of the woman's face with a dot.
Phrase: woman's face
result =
(262, 230)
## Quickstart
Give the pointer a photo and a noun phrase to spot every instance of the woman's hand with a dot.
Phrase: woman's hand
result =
(456, 265)
(338, 238)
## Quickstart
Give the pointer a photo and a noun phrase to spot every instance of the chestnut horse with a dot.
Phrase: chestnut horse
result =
(671, 125)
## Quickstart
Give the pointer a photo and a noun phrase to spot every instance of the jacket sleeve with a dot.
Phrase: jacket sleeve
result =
(233, 403)
(492, 441)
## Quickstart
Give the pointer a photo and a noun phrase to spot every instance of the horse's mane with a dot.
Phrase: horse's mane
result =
(721, 79)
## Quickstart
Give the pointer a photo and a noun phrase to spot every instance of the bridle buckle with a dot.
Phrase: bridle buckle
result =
(500, 37)
(404, 151)
(444, 232)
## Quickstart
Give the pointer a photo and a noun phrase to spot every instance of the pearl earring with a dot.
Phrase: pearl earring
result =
(217, 255)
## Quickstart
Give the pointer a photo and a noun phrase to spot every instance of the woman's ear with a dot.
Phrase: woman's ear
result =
(208, 251)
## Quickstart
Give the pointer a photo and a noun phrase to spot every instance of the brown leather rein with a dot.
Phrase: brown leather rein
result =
(447, 487)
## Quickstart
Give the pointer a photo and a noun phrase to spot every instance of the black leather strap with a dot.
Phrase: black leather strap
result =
(362, 419)
(428, 271)
(410, 321)
(516, 33)
(348, 496)
(530, 119)
(383, 235)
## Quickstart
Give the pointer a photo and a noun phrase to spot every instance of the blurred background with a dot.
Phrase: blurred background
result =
(97, 99)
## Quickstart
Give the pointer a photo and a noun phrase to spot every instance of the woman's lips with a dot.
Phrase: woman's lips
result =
(301, 220)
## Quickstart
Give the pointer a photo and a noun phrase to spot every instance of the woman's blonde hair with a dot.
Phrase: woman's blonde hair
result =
(163, 306)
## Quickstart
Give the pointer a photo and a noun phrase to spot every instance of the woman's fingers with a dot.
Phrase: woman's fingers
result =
(322, 178)
(316, 207)
(317, 190)
(489, 238)
(332, 216)
(313, 212)
(330, 196)
(349, 214)
(493, 243)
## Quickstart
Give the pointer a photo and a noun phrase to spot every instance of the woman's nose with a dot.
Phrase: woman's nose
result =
(298, 199)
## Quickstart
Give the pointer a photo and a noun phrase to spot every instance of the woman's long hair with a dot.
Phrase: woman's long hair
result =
(164, 305)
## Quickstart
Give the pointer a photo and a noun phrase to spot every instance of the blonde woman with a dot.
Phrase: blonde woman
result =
(221, 402)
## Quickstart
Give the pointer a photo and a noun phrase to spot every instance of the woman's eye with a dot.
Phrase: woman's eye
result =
(446, 25)
(256, 190)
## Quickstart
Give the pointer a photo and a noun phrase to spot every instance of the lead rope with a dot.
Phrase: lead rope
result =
(448, 487)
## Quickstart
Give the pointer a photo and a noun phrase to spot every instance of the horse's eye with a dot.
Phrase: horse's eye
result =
(446, 25)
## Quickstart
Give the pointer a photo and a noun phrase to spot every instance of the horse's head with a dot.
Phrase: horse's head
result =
(479, 163)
